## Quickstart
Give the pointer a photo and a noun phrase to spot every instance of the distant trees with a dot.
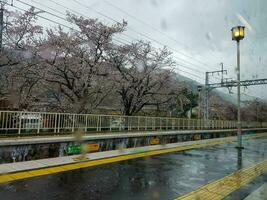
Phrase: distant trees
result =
(186, 100)
(221, 110)
(256, 110)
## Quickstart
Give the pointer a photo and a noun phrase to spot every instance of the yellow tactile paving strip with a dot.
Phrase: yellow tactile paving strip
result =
(223, 187)
(51, 170)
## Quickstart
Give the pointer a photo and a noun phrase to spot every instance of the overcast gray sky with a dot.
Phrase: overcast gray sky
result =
(197, 31)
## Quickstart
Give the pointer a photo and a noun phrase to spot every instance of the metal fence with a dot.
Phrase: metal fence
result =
(36, 122)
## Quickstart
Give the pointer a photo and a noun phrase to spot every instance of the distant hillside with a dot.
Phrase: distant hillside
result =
(192, 84)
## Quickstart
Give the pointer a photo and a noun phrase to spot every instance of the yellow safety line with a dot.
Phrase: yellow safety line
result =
(56, 169)
(221, 188)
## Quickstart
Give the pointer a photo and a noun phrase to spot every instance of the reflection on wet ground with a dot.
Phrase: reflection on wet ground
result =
(163, 176)
(245, 191)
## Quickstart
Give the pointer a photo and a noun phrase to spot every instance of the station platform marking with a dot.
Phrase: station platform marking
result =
(84, 164)
(221, 188)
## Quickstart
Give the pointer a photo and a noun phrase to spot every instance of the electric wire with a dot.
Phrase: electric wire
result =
(186, 67)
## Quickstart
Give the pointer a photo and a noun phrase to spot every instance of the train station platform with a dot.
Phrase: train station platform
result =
(147, 151)
(34, 147)
(205, 169)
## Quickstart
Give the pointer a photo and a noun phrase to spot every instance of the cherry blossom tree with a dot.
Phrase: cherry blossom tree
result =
(20, 74)
(77, 69)
(142, 76)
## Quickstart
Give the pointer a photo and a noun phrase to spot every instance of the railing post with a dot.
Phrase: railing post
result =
(100, 123)
(86, 123)
(20, 115)
(130, 123)
(58, 126)
(145, 123)
(120, 123)
(188, 124)
(73, 122)
(138, 123)
(39, 121)
(166, 123)
(212, 124)
(97, 123)
(55, 125)
(110, 118)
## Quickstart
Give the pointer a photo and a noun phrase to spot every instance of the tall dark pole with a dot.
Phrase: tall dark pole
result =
(199, 104)
(257, 111)
(238, 33)
(1, 25)
(199, 89)
(239, 134)
(206, 111)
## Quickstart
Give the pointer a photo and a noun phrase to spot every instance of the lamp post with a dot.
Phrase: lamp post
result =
(238, 34)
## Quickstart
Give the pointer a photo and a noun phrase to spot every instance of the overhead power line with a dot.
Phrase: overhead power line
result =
(184, 61)
(73, 29)
(155, 29)
(50, 20)
(62, 18)
(133, 30)
(145, 36)
(122, 42)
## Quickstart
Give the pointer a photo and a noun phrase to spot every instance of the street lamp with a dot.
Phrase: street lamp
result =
(238, 33)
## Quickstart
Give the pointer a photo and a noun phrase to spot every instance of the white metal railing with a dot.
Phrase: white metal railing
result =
(23, 122)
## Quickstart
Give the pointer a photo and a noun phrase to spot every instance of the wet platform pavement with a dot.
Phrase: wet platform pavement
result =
(164, 176)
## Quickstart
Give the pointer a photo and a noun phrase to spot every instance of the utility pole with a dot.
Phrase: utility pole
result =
(199, 89)
(208, 88)
(257, 110)
(1, 25)
(206, 101)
